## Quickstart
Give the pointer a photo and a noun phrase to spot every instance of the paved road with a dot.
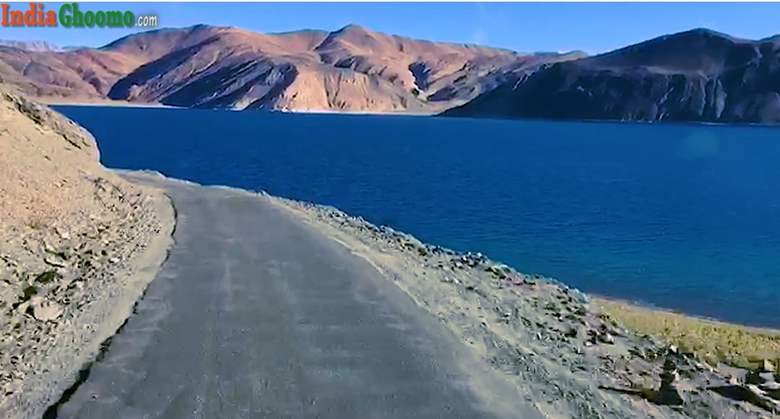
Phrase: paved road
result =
(256, 315)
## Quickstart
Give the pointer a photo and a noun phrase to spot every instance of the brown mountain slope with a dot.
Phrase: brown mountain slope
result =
(352, 69)
(81, 73)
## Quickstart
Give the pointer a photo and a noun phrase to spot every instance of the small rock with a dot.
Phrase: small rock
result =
(52, 262)
(759, 398)
(47, 310)
(607, 338)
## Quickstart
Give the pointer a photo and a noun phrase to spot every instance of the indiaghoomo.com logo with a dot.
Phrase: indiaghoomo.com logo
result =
(69, 16)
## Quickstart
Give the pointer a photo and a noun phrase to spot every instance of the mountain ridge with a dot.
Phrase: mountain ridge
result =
(698, 75)
(351, 69)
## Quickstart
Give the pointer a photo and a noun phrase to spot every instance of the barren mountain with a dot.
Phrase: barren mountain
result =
(352, 69)
(83, 73)
(698, 75)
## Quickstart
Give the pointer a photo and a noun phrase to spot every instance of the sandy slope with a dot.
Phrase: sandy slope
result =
(78, 245)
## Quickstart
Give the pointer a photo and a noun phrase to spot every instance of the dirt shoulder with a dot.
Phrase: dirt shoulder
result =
(78, 245)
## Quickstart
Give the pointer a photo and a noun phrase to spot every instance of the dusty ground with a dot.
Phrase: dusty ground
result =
(564, 354)
(78, 245)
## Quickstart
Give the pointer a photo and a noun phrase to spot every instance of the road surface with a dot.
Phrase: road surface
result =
(258, 315)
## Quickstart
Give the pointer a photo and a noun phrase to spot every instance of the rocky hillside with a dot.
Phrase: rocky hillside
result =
(73, 238)
(699, 75)
(352, 69)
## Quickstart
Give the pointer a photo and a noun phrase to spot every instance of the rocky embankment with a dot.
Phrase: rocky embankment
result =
(563, 354)
(78, 245)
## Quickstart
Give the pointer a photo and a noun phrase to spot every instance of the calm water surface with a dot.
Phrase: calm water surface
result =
(679, 216)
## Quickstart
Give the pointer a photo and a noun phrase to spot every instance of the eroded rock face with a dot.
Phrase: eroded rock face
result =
(698, 75)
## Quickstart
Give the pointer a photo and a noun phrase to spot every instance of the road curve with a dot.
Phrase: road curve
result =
(258, 315)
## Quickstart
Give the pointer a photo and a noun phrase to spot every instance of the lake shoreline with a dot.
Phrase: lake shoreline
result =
(632, 314)
(539, 196)
(650, 307)
(707, 339)
(536, 331)
(98, 102)
(109, 103)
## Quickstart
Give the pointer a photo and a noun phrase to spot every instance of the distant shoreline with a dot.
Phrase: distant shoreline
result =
(126, 104)
(437, 114)
(49, 101)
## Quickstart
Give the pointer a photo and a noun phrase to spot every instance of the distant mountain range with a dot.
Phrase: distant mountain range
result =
(352, 69)
(698, 75)
(35, 46)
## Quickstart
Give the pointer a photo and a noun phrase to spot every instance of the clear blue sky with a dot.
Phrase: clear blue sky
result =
(594, 27)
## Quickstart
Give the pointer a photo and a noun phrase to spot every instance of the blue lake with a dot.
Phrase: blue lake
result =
(685, 217)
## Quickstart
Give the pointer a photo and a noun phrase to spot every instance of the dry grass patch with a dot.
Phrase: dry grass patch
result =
(708, 340)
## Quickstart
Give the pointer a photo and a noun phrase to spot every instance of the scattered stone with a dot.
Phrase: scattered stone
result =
(760, 398)
(606, 338)
(47, 276)
(50, 261)
(768, 366)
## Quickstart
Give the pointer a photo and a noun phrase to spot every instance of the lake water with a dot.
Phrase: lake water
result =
(678, 216)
